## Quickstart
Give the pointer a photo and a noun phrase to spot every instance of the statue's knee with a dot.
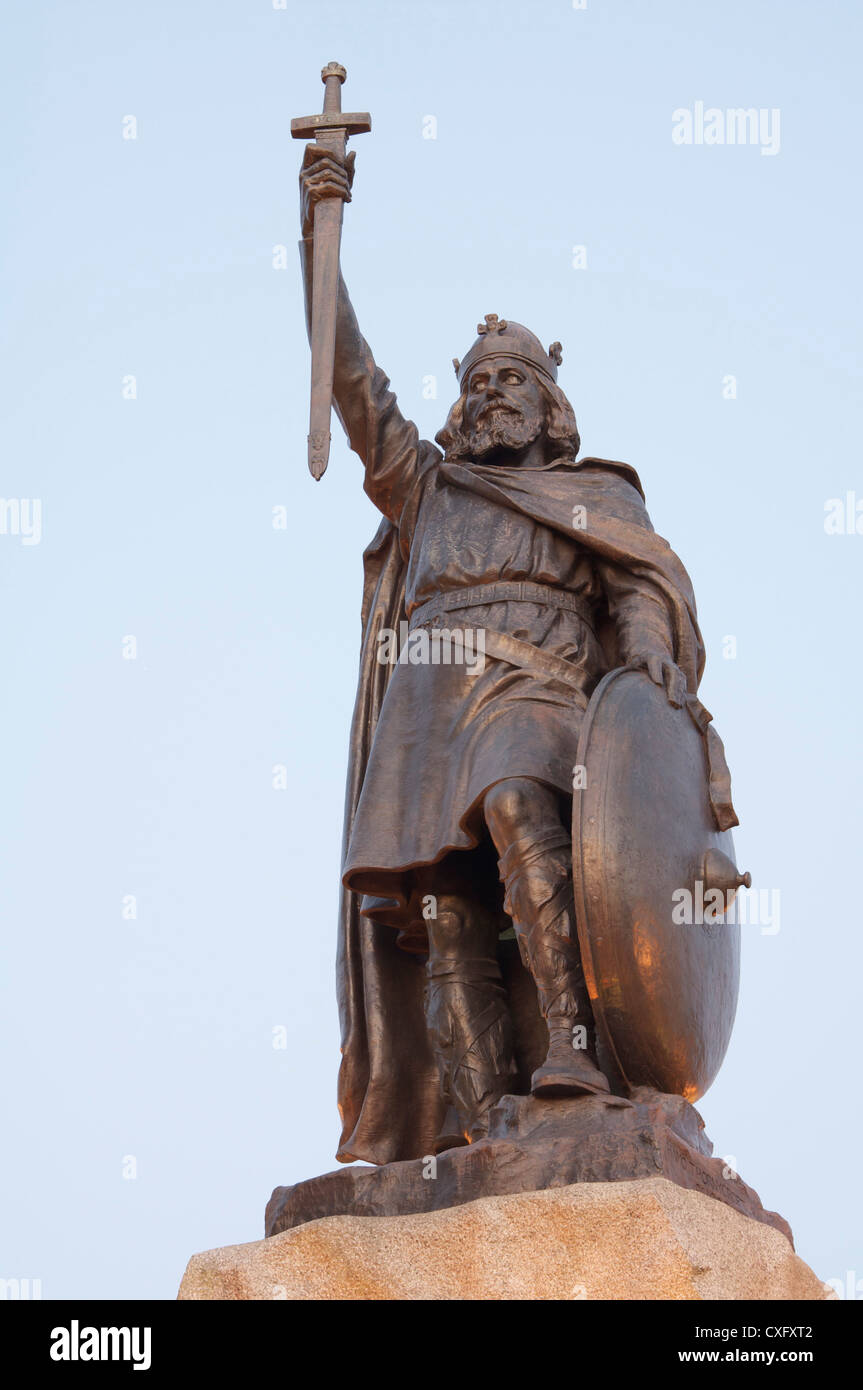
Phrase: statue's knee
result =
(462, 926)
(511, 807)
(447, 922)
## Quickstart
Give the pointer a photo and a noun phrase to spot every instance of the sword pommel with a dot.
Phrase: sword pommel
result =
(332, 75)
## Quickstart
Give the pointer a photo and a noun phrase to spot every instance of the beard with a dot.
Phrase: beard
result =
(503, 429)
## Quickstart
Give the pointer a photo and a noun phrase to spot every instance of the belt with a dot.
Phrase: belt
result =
(502, 591)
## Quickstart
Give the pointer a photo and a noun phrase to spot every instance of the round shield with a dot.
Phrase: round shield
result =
(662, 965)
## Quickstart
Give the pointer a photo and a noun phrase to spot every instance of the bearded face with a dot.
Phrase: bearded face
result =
(504, 408)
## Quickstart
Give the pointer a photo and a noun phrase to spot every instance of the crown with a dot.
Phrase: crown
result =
(503, 338)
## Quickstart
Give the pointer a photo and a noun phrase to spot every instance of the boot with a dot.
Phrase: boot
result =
(567, 1070)
(452, 1135)
(471, 1036)
(537, 874)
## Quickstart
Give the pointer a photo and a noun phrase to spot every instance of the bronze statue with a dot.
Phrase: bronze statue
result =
(531, 772)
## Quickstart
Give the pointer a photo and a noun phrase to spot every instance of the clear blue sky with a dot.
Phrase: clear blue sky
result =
(153, 258)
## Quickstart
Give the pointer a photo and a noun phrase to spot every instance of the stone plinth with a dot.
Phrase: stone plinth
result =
(534, 1145)
(646, 1238)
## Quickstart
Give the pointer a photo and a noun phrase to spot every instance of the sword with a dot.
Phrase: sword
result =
(330, 130)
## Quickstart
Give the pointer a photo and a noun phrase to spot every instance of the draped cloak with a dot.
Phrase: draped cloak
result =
(388, 1088)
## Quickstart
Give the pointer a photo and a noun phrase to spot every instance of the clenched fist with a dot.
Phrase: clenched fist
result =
(323, 175)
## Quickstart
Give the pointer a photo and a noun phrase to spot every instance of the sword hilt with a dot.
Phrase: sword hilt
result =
(332, 118)
(332, 76)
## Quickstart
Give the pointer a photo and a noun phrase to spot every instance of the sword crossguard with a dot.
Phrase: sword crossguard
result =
(332, 120)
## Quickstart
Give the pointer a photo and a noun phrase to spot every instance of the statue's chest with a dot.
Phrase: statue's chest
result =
(464, 533)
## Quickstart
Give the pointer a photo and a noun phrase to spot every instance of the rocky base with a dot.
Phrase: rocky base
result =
(647, 1238)
(533, 1146)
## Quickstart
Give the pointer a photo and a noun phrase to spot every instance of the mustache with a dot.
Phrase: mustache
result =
(499, 407)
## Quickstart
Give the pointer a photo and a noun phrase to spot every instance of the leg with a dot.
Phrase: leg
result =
(535, 852)
(466, 1006)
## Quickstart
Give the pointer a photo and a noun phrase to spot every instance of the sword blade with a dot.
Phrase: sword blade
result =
(325, 287)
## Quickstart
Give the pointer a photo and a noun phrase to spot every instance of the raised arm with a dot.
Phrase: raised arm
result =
(388, 444)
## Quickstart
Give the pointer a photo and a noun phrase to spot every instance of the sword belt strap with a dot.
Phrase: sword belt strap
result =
(533, 659)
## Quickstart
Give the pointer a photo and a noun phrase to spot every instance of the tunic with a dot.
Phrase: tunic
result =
(445, 736)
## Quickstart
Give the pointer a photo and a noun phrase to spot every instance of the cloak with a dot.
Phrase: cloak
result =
(388, 1085)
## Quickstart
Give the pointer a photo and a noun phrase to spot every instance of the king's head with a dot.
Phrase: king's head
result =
(503, 338)
(510, 408)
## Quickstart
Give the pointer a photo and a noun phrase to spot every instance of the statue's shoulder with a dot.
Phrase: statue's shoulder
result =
(612, 468)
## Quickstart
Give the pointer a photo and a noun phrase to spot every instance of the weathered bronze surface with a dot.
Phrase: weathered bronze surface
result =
(485, 950)
(664, 993)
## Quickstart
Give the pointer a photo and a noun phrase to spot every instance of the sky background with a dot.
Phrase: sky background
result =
(146, 1045)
